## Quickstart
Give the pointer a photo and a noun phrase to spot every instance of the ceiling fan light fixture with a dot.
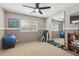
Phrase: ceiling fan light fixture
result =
(36, 10)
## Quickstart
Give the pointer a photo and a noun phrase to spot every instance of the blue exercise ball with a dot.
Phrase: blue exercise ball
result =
(9, 39)
(62, 34)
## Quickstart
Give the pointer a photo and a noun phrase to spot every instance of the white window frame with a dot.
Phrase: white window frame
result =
(36, 23)
(29, 30)
(52, 26)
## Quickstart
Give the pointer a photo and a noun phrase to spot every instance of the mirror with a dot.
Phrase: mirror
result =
(57, 28)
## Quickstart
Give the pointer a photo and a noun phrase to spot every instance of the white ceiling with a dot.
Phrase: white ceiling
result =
(75, 14)
(55, 8)
(58, 17)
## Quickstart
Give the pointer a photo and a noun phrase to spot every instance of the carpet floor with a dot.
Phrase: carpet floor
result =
(35, 49)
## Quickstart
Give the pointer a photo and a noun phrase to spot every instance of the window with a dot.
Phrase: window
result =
(33, 26)
(13, 23)
(55, 26)
(29, 25)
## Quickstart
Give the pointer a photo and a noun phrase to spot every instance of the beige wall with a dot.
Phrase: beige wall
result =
(1, 25)
(54, 34)
(25, 36)
(68, 26)
(67, 17)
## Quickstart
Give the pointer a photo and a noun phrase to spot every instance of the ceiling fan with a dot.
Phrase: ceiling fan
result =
(37, 8)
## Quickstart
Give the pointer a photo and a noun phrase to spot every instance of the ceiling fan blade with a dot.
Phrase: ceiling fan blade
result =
(37, 5)
(44, 7)
(29, 6)
(40, 12)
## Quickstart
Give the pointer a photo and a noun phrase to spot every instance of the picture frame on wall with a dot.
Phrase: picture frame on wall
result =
(13, 22)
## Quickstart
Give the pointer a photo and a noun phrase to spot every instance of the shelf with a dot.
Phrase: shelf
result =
(72, 47)
(73, 53)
